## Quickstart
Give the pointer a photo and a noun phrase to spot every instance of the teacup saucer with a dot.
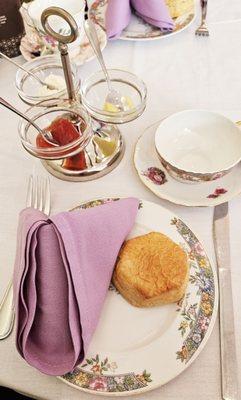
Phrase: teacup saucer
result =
(156, 178)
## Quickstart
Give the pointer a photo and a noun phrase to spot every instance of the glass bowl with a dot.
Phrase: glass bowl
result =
(94, 91)
(43, 117)
(28, 87)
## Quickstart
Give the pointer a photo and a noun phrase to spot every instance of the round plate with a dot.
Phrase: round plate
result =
(156, 178)
(139, 29)
(135, 350)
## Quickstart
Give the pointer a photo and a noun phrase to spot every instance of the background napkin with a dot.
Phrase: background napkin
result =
(118, 15)
(62, 273)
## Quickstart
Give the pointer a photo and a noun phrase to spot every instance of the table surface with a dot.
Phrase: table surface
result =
(181, 72)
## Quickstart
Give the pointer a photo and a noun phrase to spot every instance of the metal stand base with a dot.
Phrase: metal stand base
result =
(103, 153)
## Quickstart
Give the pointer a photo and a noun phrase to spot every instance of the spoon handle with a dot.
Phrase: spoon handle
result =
(12, 108)
(25, 70)
(90, 31)
(47, 135)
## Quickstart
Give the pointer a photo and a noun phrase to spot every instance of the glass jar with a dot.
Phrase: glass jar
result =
(29, 88)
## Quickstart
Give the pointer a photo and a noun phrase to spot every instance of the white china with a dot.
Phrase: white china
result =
(79, 54)
(138, 29)
(154, 176)
(75, 7)
(135, 350)
(198, 145)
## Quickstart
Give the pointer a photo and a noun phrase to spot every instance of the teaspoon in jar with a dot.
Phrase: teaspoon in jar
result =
(49, 86)
(45, 133)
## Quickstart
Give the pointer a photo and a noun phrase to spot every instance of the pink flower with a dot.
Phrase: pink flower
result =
(156, 175)
(204, 323)
(192, 311)
(99, 384)
(218, 192)
(199, 249)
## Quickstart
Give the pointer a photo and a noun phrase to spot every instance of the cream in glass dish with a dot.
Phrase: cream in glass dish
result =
(47, 68)
(198, 145)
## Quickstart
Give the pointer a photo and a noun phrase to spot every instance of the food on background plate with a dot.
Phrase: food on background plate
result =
(151, 270)
(179, 7)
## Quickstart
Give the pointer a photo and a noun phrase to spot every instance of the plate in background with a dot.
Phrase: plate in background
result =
(139, 29)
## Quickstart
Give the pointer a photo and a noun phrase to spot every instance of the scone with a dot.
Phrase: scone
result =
(151, 270)
(179, 7)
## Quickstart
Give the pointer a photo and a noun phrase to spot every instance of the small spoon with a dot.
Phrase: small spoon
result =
(114, 97)
(45, 134)
(49, 86)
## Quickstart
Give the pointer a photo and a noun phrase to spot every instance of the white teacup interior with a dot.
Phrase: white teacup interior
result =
(74, 7)
(199, 141)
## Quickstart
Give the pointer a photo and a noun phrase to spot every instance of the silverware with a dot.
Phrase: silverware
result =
(49, 86)
(38, 196)
(114, 96)
(62, 40)
(203, 29)
(45, 133)
(227, 335)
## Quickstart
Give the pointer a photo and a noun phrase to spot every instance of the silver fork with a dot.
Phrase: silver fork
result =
(38, 196)
(203, 29)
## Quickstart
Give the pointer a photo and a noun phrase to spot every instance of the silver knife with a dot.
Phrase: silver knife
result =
(227, 335)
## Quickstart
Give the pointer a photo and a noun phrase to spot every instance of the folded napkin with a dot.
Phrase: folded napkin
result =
(118, 15)
(62, 273)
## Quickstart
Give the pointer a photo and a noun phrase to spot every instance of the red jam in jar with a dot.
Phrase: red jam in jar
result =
(65, 132)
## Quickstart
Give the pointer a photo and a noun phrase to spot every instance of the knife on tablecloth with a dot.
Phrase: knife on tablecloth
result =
(227, 335)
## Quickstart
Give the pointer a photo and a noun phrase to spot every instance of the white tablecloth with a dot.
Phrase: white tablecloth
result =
(181, 72)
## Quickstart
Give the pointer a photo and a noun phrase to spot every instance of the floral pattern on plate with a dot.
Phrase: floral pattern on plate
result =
(196, 320)
(217, 192)
(156, 175)
(91, 376)
(139, 29)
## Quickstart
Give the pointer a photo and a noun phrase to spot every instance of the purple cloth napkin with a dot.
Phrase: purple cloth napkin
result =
(118, 15)
(62, 273)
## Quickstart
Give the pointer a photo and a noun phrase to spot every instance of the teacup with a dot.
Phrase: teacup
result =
(198, 145)
(75, 7)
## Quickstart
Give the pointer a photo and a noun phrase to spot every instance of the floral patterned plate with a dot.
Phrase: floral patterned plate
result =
(138, 29)
(135, 350)
(156, 178)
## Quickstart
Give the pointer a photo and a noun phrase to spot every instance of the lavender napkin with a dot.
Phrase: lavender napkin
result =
(118, 15)
(62, 273)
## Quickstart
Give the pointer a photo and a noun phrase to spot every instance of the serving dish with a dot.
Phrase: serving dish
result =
(94, 92)
(28, 88)
(43, 116)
